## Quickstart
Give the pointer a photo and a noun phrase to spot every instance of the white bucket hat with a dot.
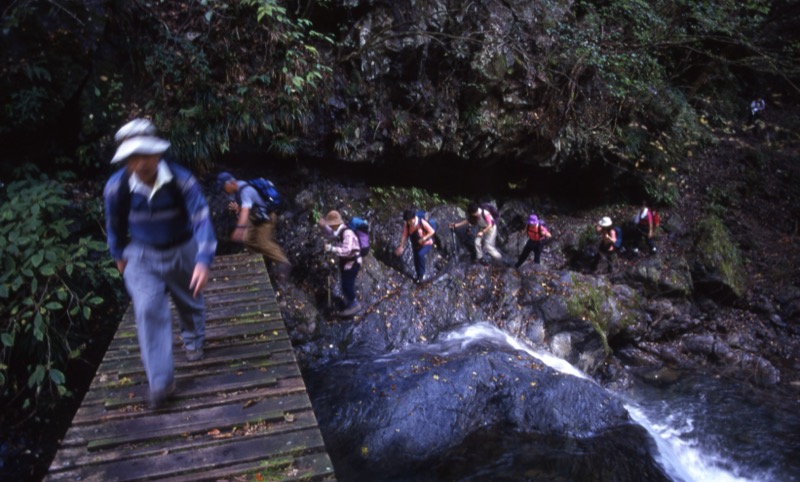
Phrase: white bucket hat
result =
(134, 128)
(605, 222)
(146, 145)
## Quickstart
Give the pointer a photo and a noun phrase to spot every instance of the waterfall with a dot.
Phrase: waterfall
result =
(686, 453)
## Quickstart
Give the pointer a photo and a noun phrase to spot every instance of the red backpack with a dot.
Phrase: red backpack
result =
(653, 216)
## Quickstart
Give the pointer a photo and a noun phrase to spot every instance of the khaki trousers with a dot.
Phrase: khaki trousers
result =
(258, 238)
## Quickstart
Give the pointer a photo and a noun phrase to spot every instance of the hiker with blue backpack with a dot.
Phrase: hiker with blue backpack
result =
(486, 222)
(255, 204)
(537, 233)
(344, 244)
(420, 232)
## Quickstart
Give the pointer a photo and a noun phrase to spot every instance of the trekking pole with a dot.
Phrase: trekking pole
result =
(329, 289)
(455, 245)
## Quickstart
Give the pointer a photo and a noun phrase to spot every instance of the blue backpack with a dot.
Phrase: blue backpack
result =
(268, 193)
(361, 228)
(618, 244)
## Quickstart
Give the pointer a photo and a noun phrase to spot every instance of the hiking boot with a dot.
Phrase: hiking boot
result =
(352, 310)
(158, 397)
(194, 355)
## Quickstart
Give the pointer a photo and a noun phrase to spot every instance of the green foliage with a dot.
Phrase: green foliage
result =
(587, 238)
(383, 197)
(209, 92)
(591, 303)
(633, 68)
(48, 291)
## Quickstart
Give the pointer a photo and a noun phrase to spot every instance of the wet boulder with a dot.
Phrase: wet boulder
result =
(410, 414)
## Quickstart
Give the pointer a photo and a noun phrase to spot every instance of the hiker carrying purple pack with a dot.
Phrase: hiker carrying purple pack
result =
(344, 244)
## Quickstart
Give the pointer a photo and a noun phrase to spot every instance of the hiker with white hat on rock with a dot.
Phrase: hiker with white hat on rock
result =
(161, 237)
(610, 239)
(348, 249)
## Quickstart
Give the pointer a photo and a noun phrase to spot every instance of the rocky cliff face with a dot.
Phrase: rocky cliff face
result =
(475, 83)
(648, 312)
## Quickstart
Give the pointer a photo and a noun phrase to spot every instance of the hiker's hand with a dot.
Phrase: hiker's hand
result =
(199, 279)
(328, 248)
(238, 234)
(479, 234)
(121, 263)
(398, 251)
(452, 225)
(232, 206)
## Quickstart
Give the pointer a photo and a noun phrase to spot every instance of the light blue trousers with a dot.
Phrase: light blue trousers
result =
(150, 276)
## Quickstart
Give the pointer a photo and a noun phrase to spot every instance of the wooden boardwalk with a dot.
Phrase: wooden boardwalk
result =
(240, 414)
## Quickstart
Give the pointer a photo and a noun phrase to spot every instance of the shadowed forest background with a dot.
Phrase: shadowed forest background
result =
(585, 103)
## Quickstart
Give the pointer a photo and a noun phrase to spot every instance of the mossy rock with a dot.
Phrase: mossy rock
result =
(658, 276)
(716, 264)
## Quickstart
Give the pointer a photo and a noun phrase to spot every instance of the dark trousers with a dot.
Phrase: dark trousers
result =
(349, 283)
(419, 260)
(531, 245)
(643, 232)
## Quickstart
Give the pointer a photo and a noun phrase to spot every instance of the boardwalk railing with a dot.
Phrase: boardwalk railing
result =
(240, 414)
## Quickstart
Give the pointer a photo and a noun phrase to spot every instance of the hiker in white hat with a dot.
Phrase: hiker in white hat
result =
(160, 235)
(610, 240)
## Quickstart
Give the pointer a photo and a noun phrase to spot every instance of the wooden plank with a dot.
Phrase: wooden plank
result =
(308, 468)
(244, 349)
(192, 384)
(96, 413)
(77, 457)
(200, 420)
(194, 463)
(240, 413)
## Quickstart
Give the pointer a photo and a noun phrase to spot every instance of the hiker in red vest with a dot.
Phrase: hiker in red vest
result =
(537, 233)
(646, 222)
(421, 233)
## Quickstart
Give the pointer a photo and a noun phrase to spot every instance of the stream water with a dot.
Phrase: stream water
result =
(706, 428)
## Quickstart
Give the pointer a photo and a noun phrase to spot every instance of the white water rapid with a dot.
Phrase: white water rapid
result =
(686, 454)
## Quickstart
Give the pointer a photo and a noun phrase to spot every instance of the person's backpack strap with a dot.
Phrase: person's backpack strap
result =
(487, 216)
(426, 226)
